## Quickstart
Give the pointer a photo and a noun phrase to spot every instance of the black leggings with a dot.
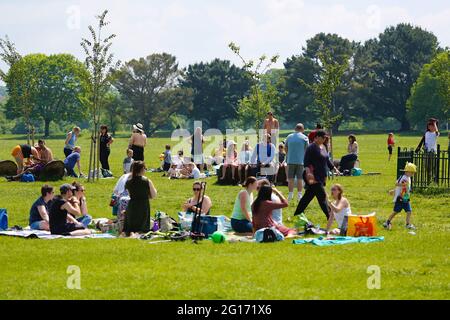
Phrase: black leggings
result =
(316, 190)
(104, 155)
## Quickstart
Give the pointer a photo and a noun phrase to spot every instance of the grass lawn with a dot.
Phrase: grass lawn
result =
(412, 266)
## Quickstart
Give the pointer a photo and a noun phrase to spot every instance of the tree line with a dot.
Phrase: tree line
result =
(403, 74)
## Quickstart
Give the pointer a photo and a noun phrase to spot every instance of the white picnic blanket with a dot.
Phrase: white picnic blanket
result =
(37, 234)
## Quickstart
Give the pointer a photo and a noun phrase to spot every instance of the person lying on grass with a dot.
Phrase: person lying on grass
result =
(340, 210)
(262, 211)
(241, 219)
(402, 194)
(79, 194)
(193, 204)
(63, 207)
(39, 219)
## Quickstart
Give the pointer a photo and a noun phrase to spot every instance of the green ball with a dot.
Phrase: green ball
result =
(218, 237)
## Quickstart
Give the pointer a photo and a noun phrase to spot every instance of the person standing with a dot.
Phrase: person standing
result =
(296, 144)
(138, 141)
(71, 140)
(105, 146)
(141, 190)
(391, 144)
(312, 134)
(271, 126)
(316, 164)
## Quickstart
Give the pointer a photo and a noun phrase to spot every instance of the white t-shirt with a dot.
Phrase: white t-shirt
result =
(120, 186)
(339, 216)
(431, 141)
(398, 190)
(277, 214)
(195, 173)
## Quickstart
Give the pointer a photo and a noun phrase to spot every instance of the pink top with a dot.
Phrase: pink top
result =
(263, 217)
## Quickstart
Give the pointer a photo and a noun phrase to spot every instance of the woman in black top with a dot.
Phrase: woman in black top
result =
(60, 221)
(316, 163)
(105, 146)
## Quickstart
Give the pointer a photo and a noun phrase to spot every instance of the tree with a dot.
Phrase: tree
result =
(255, 106)
(22, 82)
(307, 67)
(9, 55)
(399, 55)
(150, 85)
(324, 92)
(100, 64)
(115, 111)
(217, 87)
(430, 95)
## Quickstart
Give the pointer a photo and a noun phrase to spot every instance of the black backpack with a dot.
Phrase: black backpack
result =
(269, 236)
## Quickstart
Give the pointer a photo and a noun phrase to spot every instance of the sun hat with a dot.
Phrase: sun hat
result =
(410, 167)
(138, 127)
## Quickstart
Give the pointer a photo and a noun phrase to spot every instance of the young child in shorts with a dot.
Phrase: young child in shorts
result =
(402, 194)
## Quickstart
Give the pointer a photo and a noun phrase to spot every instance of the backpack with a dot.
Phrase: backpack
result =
(269, 236)
(3, 219)
(27, 177)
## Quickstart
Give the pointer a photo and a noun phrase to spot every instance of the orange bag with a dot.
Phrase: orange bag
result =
(362, 226)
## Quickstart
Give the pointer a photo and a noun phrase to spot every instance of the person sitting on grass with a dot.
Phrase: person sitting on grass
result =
(141, 190)
(128, 161)
(190, 172)
(22, 152)
(193, 204)
(340, 210)
(39, 219)
(231, 160)
(241, 218)
(281, 160)
(277, 214)
(63, 207)
(262, 211)
(244, 160)
(72, 160)
(402, 197)
(79, 194)
(174, 172)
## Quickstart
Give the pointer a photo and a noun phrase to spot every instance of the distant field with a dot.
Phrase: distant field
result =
(412, 266)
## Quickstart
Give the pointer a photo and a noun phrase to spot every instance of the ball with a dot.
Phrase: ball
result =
(218, 237)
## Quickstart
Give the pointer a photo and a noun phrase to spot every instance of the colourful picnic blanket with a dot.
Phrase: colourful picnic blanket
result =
(331, 241)
(36, 234)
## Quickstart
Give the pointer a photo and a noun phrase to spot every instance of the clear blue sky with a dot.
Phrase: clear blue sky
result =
(199, 30)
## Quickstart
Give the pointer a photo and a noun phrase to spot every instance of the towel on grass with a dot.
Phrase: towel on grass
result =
(38, 234)
(331, 241)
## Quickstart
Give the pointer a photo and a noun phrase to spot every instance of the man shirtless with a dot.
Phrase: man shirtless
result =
(271, 126)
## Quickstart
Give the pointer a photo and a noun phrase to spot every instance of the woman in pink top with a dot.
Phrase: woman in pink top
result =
(262, 210)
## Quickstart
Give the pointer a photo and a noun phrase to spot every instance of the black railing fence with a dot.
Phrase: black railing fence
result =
(433, 168)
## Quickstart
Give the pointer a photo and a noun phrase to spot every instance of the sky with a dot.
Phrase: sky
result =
(200, 30)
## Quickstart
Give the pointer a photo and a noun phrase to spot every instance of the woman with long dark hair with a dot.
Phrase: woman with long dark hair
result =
(262, 210)
(105, 146)
(141, 190)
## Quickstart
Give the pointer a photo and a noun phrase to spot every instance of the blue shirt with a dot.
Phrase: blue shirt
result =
(34, 212)
(71, 160)
(71, 144)
(296, 143)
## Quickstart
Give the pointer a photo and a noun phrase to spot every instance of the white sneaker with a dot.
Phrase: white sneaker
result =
(410, 226)
(299, 196)
(290, 196)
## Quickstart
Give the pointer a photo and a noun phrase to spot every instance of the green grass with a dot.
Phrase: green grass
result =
(412, 267)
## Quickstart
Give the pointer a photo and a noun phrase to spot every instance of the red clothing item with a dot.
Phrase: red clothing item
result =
(312, 135)
(390, 141)
(263, 217)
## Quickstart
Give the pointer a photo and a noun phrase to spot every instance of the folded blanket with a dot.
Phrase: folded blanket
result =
(37, 234)
(330, 241)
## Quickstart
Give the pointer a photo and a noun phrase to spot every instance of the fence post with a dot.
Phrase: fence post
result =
(438, 161)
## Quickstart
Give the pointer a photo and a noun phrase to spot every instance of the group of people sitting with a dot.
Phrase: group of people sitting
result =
(30, 159)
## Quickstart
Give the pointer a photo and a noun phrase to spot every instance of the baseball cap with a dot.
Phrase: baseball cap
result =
(66, 187)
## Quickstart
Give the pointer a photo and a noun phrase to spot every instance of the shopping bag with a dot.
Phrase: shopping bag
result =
(362, 226)
(3, 219)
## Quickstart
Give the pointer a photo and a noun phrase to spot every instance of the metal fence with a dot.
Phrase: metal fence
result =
(433, 168)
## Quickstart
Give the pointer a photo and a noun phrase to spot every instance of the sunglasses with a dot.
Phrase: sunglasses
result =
(196, 189)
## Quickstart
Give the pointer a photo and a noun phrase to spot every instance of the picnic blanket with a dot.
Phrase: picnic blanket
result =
(331, 241)
(37, 234)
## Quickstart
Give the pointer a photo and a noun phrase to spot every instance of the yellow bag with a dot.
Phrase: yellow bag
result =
(362, 226)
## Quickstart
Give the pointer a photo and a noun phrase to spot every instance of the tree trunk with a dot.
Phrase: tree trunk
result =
(405, 125)
(47, 128)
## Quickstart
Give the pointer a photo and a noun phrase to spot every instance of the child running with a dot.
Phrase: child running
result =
(402, 197)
